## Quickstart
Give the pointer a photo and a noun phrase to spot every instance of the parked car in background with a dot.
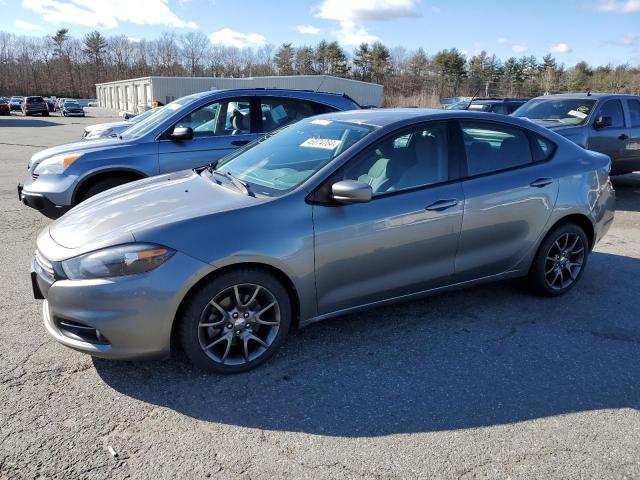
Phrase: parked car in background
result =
(504, 106)
(71, 108)
(15, 103)
(603, 122)
(92, 103)
(35, 106)
(113, 129)
(380, 206)
(190, 132)
(5, 109)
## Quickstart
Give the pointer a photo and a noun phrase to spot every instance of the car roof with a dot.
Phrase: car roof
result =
(585, 95)
(388, 116)
(490, 101)
(330, 97)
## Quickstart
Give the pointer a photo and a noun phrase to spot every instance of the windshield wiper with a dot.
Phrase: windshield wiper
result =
(239, 184)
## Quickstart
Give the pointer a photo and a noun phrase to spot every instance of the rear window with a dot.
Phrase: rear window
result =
(541, 148)
(34, 99)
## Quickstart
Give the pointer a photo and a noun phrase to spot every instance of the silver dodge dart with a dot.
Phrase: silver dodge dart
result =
(335, 213)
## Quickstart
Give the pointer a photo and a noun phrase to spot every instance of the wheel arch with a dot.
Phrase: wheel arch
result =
(91, 179)
(276, 272)
(580, 219)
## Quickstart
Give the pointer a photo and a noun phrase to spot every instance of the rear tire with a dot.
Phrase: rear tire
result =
(102, 186)
(215, 329)
(560, 261)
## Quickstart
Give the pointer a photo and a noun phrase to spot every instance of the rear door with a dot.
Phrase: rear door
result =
(509, 196)
(631, 160)
(610, 140)
(218, 127)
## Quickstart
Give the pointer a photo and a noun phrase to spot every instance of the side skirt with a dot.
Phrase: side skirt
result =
(417, 295)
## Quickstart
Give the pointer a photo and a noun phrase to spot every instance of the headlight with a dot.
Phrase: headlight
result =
(56, 164)
(117, 261)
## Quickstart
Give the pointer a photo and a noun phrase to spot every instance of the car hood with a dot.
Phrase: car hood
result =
(79, 147)
(118, 214)
(107, 126)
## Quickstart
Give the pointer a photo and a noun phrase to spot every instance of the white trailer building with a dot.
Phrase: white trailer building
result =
(130, 94)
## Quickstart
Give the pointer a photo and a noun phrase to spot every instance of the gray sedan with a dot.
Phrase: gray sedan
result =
(332, 214)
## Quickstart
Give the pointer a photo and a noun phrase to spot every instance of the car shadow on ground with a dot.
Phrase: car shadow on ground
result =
(484, 356)
(627, 192)
(26, 122)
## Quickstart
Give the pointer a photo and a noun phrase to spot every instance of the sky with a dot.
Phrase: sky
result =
(599, 32)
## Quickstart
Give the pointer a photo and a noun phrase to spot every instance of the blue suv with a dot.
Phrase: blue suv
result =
(190, 132)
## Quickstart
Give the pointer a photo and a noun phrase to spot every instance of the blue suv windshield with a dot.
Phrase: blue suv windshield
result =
(146, 125)
(282, 161)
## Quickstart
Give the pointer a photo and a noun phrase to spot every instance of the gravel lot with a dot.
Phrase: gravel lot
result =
(483, 383)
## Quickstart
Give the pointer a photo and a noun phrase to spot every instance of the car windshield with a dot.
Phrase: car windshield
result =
(568, 111)
(458, 106)
(282, 161)
(143, 115)
(72, 104)
(146, 125)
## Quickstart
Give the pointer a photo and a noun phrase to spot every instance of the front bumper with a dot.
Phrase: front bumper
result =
(74, 114)
(41, 203)
(51, 195)
(133, 315)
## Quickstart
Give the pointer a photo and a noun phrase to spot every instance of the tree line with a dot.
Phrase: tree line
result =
(67, 66)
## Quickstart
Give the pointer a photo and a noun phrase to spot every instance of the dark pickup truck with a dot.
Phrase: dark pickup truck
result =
(604, 122)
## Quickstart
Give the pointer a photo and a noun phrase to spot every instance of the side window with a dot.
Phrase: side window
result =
(500, 108)
(541, 148)
(634, 112)
(226, 117)
(492, 147)
(613, 109)
(407, 160)
(277, 112)
(512, 107)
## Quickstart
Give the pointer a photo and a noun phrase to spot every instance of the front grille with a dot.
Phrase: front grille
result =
(45, 265)
(34, 175)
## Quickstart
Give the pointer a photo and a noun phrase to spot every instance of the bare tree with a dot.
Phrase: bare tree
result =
(194, 47)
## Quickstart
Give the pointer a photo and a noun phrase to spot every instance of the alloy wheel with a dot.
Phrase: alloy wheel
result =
(239, 324)
(564, 261)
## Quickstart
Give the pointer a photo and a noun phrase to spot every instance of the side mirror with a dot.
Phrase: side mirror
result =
(182, 133)
(603, 121)
(350, 191)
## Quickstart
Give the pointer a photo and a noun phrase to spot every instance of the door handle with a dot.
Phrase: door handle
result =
(624, 136)
(239, 143)
(541, 182)
(440, 205)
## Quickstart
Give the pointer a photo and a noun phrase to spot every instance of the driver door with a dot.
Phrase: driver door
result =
(405, 239)
(218, 128)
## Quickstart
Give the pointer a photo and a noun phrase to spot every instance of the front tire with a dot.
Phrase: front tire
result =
(235, 321)
(101, 186)
(560, 261)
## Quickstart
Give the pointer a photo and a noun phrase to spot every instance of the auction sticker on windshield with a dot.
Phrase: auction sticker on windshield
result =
(325, 143)
(320, 121)
(576, 113)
